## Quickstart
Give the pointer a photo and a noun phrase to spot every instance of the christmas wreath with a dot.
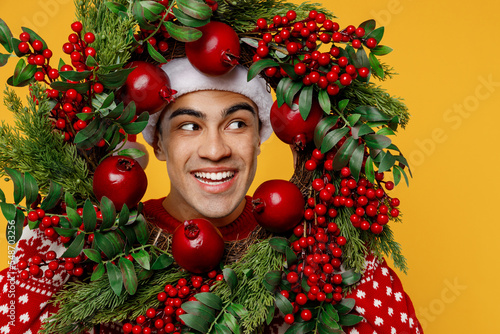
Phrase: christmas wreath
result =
(310, 248)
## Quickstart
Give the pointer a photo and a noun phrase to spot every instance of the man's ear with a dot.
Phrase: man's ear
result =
(158, 148)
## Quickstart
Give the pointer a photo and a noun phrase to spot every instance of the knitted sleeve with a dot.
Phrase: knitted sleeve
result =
(24, 303)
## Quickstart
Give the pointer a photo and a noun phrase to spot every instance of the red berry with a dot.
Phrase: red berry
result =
(371, 43)
(395, 202)
(24, 37)
(291, 15)
(345, 79)
(289, 319)
(261, 23)
(306, 315)
(37, 45)
(394, 212)
(376, 228)
(89, 38)
(389, 185)
(23, 47)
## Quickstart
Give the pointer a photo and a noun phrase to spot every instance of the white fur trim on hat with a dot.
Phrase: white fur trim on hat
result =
(184, 78)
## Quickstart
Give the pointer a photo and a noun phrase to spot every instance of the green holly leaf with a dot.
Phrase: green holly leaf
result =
(401, 171)
(332, 138)
(8, 210)
(283, 304)
(142, 257)
(155, 54)
(30, 188)
(108, 213)
(133, 153)
(385, 131)
(230, 278)
(114, 80)
(305, 101)
(372, 114)
(377, 34)
(350, 320)
(4, 58)
(98, 272)
(141, 229)
(81, 87)
(369, 170)
(368, 25)
(18, 180)
(322, 128)
(75, 75)
(139, 15)
(5, 36)
(387, 162)
(281, 90)
(152, 9)
(89, 216)
(331, 325)
(345, 306)
(198, 309)
(116, 7)
(195, 322)
(181, 33)
(291, 258)
(343, 104)
(128, 274)
(66, 232)
(138, 125)
(291, 92)
(124, 215)
(75, 248)
(381, 50)
(375, 65)
(231, 322)
(162, 262)
(279, 244)
(115, 278)
(93, 255)
(353, 119)
(115, 112)
(209, 299)
(198, 10)
(350, 277)
(73, 217)
(356, 161)
(18, 226)
(128, 114)
(53, 197)
(301, 327)
(188, 20)
(259, 66)
(377, 141)
(104, 245)
(344, 153)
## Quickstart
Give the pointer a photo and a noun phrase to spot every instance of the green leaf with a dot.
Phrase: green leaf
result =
(381, 50)
(221, 329)
(350, 277)
(5, 36)
(117, 241)
(283, 304)
(85, 116)
(305, 101)
(387, 162)
(356, 161)
(76, 246)
(200, 310)
(30, 189)
(123, 216)
(181, 33)
(73, 217)
(401, 171)
(291, 258)
(142, 257)
(104, 245)
(128, 274)
(353, 119)
(324, 101)
(14, 43)
(350, 320)
(301, 327)
(237, 310)
(136, 127)
(396, 174)
(128, 114)
(18, 226)
(330, 323)
(82, 87)
(26, 74)
(231, 322)
(2, 196)
(196, 9)
(377, 141)
(368, 25)
(140, 16)
(279, 244)
(34, 36)
(273, 278)
(65, 232)
(115, 113)
(93, 255)
(189, 20)
(375, 65)
(363, 130)
(209, 299)
(345, 306)
(75, 75)
(108, 213)
(369, 171)
(372, 114)
(107, 102)
(282, 89)
(259, 66)
(323, 126)
(18, 180)
(133, 153)
(9, 211)
(377, 34)
(141, 230)
(331, 312)
(55, 194)
(115, 7)
(290, 94)
(195, 322)
(270, 314)
(4, 58)
(230, 278)
(155, 54)
(290, 70)
(114, 79)
(343, 104)
(362, 60)
(386, 132)
(402, 160)
(153, 7)
(344, 153)
(98, 272)
(115, 278)
(162, 262)
(89, 216)
(332, 138)
(91, 62)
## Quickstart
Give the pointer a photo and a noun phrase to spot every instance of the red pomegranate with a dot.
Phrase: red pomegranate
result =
(289, 125)
(278, 205)
(148, 86)
(197, 246)
(217, 51)
(121, 179)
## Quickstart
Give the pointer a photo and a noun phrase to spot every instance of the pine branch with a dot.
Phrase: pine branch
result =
(33, 146)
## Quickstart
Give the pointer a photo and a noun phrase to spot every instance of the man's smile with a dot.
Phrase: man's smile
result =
(214, 178)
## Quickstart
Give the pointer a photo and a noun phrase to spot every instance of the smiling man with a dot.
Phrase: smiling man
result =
(210, 138)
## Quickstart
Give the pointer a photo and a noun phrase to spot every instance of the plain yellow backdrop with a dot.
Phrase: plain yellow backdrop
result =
(445, 52)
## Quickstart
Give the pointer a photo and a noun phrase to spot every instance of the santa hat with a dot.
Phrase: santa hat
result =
(184, 78)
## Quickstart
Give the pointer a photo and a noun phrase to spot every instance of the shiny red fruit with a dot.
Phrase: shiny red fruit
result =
(121, 179)
(278, 205)
(289, 125)
(217, 51)
(148, 86)
(197, 246)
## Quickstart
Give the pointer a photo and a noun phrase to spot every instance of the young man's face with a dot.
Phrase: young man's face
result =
(210, 142)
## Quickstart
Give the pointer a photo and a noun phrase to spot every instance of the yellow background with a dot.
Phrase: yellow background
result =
(446, 53)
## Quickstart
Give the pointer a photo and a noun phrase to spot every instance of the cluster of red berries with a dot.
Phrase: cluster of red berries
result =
(49, 265)
(166, 318)
(328, 70)
(373, 207)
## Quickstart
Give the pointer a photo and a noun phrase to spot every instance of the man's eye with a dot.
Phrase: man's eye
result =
(236, 125)
(190, 127)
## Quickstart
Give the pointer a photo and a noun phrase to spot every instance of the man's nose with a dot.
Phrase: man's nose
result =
(214, 146)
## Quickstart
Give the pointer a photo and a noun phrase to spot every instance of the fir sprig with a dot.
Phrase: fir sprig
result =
(33, 146)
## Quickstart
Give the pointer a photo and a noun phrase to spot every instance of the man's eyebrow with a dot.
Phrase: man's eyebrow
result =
(187, 111)
(238, 106)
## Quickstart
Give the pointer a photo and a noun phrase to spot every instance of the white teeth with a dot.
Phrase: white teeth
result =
(205, 177)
